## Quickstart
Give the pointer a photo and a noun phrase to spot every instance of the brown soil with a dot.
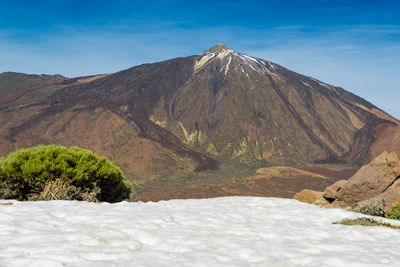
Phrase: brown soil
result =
(275, 182)
(342, 174)
(231, 187)
(14, 95)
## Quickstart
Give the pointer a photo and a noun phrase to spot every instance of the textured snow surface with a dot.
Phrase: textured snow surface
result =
(230, 231)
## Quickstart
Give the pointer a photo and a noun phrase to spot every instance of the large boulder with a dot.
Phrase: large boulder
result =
(309, 196)
(316, 198)
(377, 180)
(391, 196)
(330, 193)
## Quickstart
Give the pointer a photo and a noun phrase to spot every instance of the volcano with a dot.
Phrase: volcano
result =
(189, 113)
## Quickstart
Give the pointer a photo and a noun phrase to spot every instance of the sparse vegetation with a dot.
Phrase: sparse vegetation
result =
(394, 212)
(373, 208)
(365, 222)
(226, 170)
(57, 172)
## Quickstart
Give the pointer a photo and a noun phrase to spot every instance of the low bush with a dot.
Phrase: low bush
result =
(371, 207)
(26, 173)
(394, 212)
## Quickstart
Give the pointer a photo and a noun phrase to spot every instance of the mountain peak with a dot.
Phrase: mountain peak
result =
(217, 48)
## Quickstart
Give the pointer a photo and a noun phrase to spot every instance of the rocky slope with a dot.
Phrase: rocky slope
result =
(379, 180)
(189, 113)
(236, 106)
(375, 184)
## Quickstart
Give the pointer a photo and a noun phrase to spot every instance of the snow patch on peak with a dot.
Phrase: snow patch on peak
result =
(250, 65)
(272, 66)
(227, 66)
(322, 84)
(226, 56)
(246, 57)
(219, 51)
(258, 65)
(224, 53)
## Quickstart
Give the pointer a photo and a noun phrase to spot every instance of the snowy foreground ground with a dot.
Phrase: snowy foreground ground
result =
(230, 231)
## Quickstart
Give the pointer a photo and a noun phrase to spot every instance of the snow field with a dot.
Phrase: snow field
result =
(229, 231)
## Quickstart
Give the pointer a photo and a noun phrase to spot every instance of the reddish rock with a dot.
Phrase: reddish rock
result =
(331, 191)
(309, 196)
(371, 180)
(390, 197)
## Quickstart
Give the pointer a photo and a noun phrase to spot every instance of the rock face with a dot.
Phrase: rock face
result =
(377, 180)
(331, 191)
(391, 196)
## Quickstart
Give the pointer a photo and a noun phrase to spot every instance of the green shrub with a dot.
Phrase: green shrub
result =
(26, 172)
(394, 212)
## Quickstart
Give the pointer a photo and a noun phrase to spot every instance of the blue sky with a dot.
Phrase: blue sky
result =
(352, 44)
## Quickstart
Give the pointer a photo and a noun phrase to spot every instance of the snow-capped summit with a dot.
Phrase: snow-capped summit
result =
(231, 60)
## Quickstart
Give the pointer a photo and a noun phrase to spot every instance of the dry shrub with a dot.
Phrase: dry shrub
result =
(61, 190)
(373, 207)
